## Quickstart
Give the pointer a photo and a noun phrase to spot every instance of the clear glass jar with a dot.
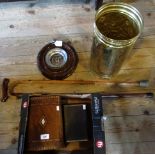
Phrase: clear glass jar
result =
(116, 29)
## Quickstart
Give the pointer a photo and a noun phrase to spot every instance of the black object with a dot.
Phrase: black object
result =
(57, 60)
(23, 123)
(98, 4)
(98, 131)
(128, 95)
(75, 122)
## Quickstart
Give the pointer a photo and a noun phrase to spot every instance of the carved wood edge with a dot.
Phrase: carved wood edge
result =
(5, 90)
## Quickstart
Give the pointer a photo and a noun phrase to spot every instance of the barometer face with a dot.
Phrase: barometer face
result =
(57, 60)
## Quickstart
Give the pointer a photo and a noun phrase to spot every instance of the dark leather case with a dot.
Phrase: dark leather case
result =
(75, 122)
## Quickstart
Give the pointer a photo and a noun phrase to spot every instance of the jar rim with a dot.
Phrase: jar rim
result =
(125, 9)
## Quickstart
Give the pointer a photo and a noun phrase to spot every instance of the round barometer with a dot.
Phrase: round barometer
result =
(57, 60)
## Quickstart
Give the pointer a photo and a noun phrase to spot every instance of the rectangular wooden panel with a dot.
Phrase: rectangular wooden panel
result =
(44, 130)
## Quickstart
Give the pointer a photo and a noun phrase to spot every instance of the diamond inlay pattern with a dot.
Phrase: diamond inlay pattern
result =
(43, 121)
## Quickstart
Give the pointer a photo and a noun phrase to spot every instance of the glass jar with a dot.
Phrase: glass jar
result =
(116, 29)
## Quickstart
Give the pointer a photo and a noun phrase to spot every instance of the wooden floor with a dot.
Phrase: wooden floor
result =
(26, 27)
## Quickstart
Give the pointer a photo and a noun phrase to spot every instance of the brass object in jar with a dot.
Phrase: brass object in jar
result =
(116, 29)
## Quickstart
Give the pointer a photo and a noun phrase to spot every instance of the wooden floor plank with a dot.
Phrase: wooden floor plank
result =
(131, 148)
(34, 20)
(26, 28)
(128, 106)
(130, 129)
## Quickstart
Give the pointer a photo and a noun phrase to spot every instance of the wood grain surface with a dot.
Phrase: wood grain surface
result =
(27, 26)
